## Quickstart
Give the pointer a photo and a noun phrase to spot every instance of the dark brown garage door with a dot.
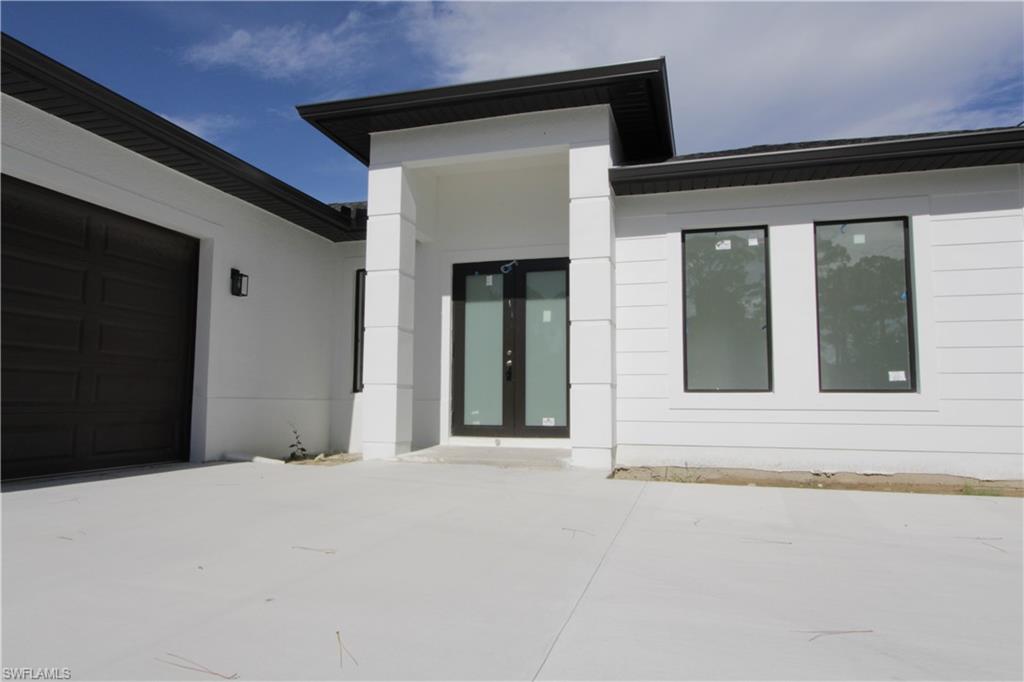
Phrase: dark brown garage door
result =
(98, 335)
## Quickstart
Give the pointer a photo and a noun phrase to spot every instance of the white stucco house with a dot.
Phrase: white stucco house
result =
(534, 266)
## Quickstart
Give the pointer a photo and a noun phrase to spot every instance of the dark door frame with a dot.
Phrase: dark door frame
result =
(514, 340)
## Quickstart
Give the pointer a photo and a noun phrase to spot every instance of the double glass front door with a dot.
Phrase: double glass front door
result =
(511, 348)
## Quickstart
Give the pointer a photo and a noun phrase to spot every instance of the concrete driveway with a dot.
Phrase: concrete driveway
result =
(433, 571)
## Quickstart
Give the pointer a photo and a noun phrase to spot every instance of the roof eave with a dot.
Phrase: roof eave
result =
(623, 177)
(492, 88)
(323, 114)
(51, 73)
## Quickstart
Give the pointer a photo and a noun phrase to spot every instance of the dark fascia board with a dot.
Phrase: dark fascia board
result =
(314, 215)
(956, 150)
(363, 108)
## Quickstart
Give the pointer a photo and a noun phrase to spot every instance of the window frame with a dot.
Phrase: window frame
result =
(768, 312)
(359, 331)
(911, 326)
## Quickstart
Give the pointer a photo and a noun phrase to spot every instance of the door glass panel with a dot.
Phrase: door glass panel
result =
(483, 343)
(545, 348)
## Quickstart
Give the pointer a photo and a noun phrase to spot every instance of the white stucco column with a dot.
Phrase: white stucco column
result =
(591, 307)
(390, 291)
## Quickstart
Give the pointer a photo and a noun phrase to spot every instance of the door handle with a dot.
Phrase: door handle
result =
(508, 370)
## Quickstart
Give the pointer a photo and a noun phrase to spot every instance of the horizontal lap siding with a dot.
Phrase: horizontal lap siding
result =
(977, 278)
(978, 333)
(987, 256)
(641, 340)
(798, 434)
(643, 317)
(804, 459)
(977, 264)
(973, 360)
(979, 308)
(983, 229)
(978, 282)
(958, 412)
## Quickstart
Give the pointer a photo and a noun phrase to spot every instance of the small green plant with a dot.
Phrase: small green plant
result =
(296, 450)
(977, 490)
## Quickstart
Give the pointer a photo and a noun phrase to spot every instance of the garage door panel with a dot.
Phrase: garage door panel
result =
(124, 242)
(48, 443)
(40, 385)
(39, 331)
(98, 334)
(135, 341)
(133, 435)
(137, 388)
(54, 233)
(32, 217)
(38, 276)
(139, 295)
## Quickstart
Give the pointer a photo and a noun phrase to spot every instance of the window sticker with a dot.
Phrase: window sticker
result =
(490, 280)
(547, 315)
(897, 375)
(547, 421)
(859, 239)
(752, 241)
(723, 245)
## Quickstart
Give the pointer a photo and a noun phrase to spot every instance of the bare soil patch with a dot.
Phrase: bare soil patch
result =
(936, 484)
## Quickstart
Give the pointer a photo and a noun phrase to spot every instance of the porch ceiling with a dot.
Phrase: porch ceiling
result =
(637, 93)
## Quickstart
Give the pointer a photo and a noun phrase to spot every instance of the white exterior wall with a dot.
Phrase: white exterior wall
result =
(346, 427)
(261, 361)
(967, 252)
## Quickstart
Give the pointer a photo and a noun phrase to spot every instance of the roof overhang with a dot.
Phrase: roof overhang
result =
(636, 92)
(52, 87)
(921, 153)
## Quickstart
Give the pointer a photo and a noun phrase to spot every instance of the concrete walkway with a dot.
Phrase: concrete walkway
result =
(508, 457)
(434, 571)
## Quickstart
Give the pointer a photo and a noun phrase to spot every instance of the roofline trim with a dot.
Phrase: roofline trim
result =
(316, 114)
(889, 150)
(48, 70)
(500, 87)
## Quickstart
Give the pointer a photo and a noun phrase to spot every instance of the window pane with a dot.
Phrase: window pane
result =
(726, 285)
(357, 341)
(863, 307)
(482, 385)
(545, 348)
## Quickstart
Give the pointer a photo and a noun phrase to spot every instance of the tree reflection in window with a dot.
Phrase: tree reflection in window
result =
(864, 307)
(727, 316)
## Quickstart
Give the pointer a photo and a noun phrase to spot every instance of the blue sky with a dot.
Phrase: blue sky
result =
(740, 74)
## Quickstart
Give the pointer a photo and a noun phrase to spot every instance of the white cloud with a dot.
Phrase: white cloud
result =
(282, 52)
(207, 126)
(763, 72)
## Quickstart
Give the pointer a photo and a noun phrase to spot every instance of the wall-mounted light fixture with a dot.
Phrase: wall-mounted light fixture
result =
(239, 283)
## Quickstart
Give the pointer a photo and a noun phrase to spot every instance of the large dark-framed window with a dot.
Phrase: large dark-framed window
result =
(726, 310)
(359, 331)
(865, 312)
